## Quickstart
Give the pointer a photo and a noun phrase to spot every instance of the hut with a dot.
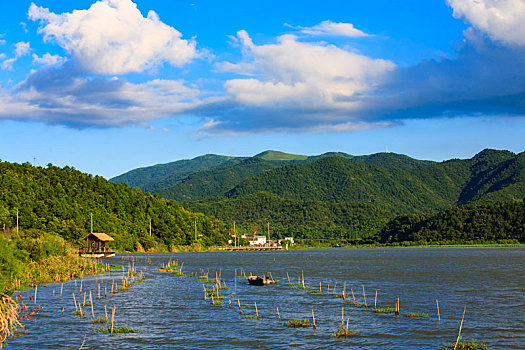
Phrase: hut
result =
(97, 246)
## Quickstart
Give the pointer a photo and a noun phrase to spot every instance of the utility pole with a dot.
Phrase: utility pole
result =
(268, 234)
(195, 229)
(234, 236)
(150, 227)
(91, 215)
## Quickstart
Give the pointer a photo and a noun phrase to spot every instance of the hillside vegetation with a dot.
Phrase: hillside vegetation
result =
(60, 200)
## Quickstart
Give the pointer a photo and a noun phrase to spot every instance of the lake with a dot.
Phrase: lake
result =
(172, 313)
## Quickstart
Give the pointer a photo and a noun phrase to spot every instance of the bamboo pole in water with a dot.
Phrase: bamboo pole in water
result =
(256, 311)
(460, 326)
(437, 305)
(288, 278)
(278, 315)
(61, 288)
(235, 288)
(112, 319)
(353, 296)
(36, 290)
(342, 316)
(375, 301)
(91, 302)
(106, 312)
(75, 301)
(364, 295)
(239, 303)
(313, 318)
(302, 275)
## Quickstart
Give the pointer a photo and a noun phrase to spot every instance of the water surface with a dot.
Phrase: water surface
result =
(172, 313)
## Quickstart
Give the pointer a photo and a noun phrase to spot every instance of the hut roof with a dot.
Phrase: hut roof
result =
(101, 236)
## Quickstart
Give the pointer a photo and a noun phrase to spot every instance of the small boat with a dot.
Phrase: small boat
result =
(259, 281)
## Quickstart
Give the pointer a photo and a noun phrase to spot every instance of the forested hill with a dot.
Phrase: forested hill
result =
(495, 222)
(488, 177)
(211, 175)
(60, 200)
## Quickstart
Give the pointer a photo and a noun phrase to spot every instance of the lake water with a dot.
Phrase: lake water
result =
(172, 313)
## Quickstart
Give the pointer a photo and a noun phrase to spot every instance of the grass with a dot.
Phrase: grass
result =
(387, 310)
(178, 273)
(298, 323)
(99, 320)
(466, 345)
(217, 302)
(121, 329)
(345, 332)
(413, 315)
(8, 317)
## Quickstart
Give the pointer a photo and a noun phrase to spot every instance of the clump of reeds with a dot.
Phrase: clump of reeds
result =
(466, 345)
(217, 302)
(99, 320)
(345, 331)
(386, 310)
(416, 315)
(298, 323)
(8, 317)
(121, 329)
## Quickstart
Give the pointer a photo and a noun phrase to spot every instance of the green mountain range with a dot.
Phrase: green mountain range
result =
(308, 195)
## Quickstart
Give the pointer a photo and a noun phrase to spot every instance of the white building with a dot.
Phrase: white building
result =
(257, 240)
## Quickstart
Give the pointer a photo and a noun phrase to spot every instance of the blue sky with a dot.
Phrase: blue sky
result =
(111, 85)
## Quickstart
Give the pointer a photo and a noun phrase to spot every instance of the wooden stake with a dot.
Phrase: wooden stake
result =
(106, 312)
(288, 278)
(364, 295)
(342, 316)
(91, 302)
(112, 319)
(319, 286)
(437, 305)
(278, 313)
(302, 275)
(313, 318)
(36, 290)
(344, 291)
(375, 301)
(353, 296)
(75, 301)
(235, 288)
(256, 312)
(61, 288)
(98, 290)
(460, 326)
(347, 320)
(240, 309)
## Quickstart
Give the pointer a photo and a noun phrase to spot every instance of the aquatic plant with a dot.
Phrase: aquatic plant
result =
(466, 345)
(387, 310)
(99, 320)
(217, 302)
(345, 331)
(298, 323)
(414, 315)
(121, 329)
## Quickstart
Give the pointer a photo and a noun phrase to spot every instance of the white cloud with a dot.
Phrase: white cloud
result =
(502, 20)
(60, 96)
(21, 49)
(112, 37)
(306, 75)
(333, 29)
(49, 60)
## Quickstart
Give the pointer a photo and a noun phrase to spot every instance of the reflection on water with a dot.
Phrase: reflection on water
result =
(172, 313)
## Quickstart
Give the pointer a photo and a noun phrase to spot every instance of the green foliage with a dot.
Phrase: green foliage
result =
(60, 200)
(297, 323)
(481, 223)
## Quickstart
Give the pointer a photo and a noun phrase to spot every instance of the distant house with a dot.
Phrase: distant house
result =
(256, 240)
(97, 246)
(290, 239)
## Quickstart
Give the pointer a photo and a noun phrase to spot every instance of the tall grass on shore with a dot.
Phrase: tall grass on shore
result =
(8, 318)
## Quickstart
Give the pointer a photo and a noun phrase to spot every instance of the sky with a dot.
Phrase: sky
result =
(111, 85)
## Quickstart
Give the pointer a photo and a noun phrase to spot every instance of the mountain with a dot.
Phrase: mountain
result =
(60, 200)
(165, 175)
(212, 175)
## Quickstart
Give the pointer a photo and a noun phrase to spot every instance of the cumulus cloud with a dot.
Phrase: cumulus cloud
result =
(113, 37)
(65, 96)
(330, 28)
(502, 20)
(302, 83)
(49, 60)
